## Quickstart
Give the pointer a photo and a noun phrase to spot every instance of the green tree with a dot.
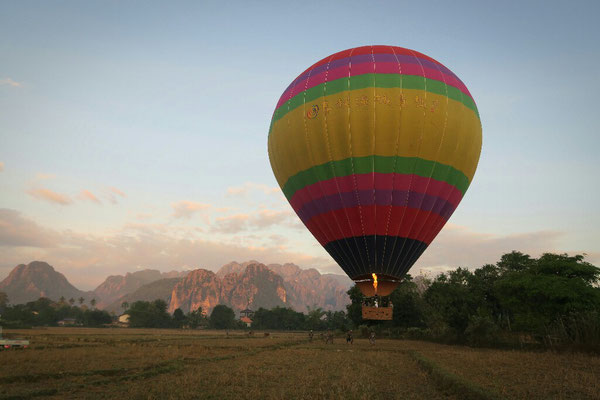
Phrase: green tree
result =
(354, 309)
(197, 318)
(144, 314)
(124, 306)
(71, 301)
(547, 288)
(95, 318)
(178, 318)
(3, 301)
(315, 319)
(222, 317)
(81, 300)
(278, 318)
(408, 306)
(451, 298)
(337, 320)
(514, 261)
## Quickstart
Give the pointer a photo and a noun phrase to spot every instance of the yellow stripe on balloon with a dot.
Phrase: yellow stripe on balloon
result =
(405, 122)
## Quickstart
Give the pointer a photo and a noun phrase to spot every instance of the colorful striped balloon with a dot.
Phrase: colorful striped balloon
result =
(374, 147)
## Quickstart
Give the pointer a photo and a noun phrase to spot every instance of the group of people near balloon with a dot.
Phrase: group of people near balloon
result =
(328, 337)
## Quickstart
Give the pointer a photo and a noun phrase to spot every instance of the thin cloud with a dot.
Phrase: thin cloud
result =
(87, 259)
(87, 195)
(251, 186)
(41, 176)
(225, 209)
(17, 230)
(258, 220)
(265, 218)
(117, 191)
(10, 82)
(459, 246)
(231, 223)
(186, 209)
(143, 216)
(50, 196)
(112, 193)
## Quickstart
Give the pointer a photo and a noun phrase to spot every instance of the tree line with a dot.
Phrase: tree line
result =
(45, 312)
(145, 314)
(553, 298)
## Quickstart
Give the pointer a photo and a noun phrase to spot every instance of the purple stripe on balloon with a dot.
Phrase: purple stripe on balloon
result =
(398, 198)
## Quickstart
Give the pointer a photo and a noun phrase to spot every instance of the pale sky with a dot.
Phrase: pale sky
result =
(134, 134)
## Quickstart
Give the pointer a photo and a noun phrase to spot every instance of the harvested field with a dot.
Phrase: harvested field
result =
(171, 364)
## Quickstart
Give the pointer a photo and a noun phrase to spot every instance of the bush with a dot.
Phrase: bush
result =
(222, 317)
(481, 331)
(417, 333)
(364, 331)
(580, 330)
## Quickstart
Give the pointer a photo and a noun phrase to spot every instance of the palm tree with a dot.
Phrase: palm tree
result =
(71, 301)
(61, 300)
(93, 302)
(81, 300)
(3, 300)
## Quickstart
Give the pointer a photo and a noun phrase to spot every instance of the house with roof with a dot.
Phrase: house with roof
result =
(246, 316)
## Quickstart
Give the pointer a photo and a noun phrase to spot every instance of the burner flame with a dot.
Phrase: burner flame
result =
(375, 282)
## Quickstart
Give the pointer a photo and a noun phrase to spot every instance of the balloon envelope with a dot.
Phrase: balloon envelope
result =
(374, 147)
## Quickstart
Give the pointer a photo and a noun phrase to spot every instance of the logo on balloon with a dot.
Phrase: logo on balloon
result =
(313, 112)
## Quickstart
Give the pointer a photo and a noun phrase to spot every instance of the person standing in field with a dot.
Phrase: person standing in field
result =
(349, 338)
(329, 337)
(372, 338)
(310, 336)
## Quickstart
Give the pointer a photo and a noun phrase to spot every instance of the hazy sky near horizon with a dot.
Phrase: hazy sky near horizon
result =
(134, 134)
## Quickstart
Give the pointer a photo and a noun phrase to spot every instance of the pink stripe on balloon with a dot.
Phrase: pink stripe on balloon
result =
(367, 68)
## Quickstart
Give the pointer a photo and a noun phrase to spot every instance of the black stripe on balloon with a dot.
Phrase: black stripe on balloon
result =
(404, 255)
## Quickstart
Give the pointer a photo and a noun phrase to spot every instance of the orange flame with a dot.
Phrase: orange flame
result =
(375, 282)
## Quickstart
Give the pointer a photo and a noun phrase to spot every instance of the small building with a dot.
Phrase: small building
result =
(247, 313)
(247, 321)
(123, 319)
(67, 322)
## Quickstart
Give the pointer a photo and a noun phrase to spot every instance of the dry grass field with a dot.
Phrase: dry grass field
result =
(79, 363)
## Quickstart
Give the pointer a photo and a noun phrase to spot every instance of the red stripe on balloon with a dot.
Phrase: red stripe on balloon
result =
(401, 226)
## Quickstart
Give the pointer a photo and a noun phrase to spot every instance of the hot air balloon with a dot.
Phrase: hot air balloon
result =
(374, 147)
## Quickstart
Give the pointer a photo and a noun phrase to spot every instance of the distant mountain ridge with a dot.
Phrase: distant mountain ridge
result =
(256, 286)
(238, 285)
(304, 287)
(38, 279)
(116, 286)
(308, 288)
(160, 289)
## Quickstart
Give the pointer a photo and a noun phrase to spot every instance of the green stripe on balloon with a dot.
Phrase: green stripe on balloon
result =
(381, 81)
(385, 165)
